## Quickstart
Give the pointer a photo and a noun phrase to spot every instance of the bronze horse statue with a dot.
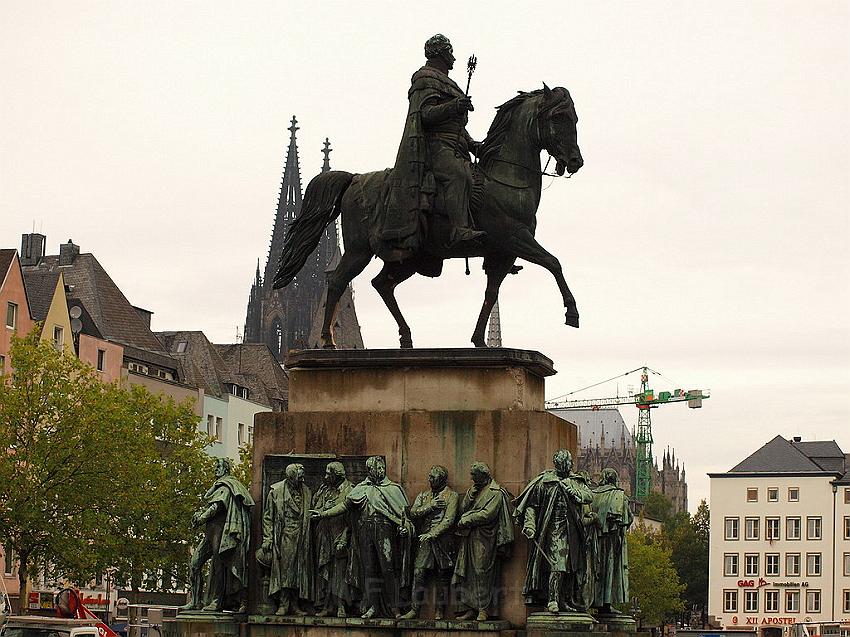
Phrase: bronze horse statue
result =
(544, 119)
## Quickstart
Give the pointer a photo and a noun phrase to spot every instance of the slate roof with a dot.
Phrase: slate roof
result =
(602, 428)
(260, 372)
(202, 365)
(783, 456)
(6, 257)
(40, 284)
(111, 312)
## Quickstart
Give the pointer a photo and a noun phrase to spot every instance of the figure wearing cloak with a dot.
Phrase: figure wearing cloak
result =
(286, 534)
(227, 535)
(486, 534)
(550, 511)
(331, 538)
(433, 158)
(380, 561)
(611, 506)
(434, 512)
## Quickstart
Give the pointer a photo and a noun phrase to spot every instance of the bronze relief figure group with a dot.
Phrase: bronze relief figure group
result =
(364, 549)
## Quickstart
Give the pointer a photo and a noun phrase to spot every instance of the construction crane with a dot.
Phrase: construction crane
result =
(645, 400)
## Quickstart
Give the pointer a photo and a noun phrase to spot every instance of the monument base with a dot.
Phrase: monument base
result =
(274, 626)
(204, 624)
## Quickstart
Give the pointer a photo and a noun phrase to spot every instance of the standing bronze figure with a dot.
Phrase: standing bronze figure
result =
(486, 536)
(434, 204)
(331, 538)
(611, 505)
(434, 512)
(226, 519)
(286, 537)
(550, 510)
(380, 557)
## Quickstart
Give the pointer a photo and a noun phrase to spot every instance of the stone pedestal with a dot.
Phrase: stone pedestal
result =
(419, 408)
(204, 624)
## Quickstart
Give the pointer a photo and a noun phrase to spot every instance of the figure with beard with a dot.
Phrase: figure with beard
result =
(331, 538)
(550, 510)
(434, 512)
(380, 557)
(286, 537)
(226, 518)
(611, 506)
(485, 536)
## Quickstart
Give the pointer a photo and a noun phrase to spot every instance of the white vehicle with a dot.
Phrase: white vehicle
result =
(35, 626)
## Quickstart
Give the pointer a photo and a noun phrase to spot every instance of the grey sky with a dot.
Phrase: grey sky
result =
(706, 235)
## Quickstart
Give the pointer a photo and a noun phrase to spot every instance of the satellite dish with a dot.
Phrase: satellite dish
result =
(75, 312)
(76, 325)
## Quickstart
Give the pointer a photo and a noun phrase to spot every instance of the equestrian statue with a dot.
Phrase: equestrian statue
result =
(435, 203)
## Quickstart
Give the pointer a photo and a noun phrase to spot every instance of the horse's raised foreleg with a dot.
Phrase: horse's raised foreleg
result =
(496, 271)
(385, 283)
(525, 246)
(350, 265)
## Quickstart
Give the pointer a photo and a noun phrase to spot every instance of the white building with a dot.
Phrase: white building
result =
(780, 538)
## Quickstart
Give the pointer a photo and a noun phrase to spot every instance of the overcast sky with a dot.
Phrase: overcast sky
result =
(706, 235)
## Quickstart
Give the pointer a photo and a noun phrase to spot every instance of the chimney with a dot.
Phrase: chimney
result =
(798, 439)
(68, 252)
(32, 248)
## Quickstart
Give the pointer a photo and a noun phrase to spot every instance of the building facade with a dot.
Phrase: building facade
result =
(780, 538)
(291, 318)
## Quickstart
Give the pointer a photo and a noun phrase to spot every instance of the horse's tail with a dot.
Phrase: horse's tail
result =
(320, 207)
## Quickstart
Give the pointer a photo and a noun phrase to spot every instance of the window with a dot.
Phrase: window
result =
(773, 494)
(771, 528)
(813, 528)
(771, 601)
(846, 564)
(101, 359)
(793, 528)
(752, 494)
(731, 528)
(3, 369)
(58, 337)
(751, 564)
(793, 494)
(240, 434)
(730, 564)
(181, 347)
(11, 315)
(137, 367)
(751, 601)
(250, 434)
(846, 495)
(219, 427)
(846, 517)
(751, 528)
(812, 601)
(846, 597)
(730, 601)
(792, 601)
(9, 562)
(813, 564)
(792, 565)
(771, 565)
(210, 425)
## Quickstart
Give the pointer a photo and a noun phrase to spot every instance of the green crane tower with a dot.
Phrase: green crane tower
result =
(645, 400)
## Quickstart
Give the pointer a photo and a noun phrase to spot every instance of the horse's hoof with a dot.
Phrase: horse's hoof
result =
(572, 320)
(480, 344)
(406, 343)
(329, 346)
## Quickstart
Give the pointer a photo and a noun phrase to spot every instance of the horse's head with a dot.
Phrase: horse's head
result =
(556, 123)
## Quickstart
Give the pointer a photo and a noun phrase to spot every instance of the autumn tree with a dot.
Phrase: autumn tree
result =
(688, 538)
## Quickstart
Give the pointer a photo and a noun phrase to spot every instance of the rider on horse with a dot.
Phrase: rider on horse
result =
(433, 161)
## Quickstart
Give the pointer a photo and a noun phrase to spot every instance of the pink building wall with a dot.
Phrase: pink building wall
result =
(12, 290)
(112, 359)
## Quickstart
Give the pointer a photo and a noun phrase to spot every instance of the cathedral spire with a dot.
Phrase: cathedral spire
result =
(326, 151)
(494, 327)
(288, 203)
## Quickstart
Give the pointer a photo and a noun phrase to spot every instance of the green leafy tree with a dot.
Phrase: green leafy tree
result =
(688, 537)
(658, 507)
(95, 476)
(652, 577)
(244, 470)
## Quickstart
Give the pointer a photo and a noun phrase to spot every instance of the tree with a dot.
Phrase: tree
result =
(688, 537)
(95, 476)
(244, 471)
(652, 577)
(658, 507)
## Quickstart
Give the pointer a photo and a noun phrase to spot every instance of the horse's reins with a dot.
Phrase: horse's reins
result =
(531, 170)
